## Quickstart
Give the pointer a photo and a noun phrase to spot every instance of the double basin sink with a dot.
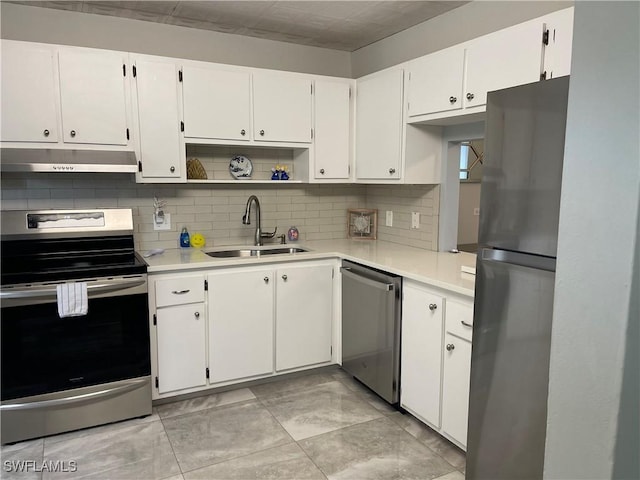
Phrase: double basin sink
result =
(255, 252)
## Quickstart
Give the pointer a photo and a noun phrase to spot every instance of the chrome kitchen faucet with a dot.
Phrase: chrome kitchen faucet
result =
(246, 219)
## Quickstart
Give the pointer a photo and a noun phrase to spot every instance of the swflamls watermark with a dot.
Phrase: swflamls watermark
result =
(25, 466)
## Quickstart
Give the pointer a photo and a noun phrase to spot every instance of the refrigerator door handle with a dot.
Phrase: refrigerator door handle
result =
(522, 259)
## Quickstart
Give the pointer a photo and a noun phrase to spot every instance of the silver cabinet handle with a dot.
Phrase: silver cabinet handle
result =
(266, 279)
(197, 314)
(453, 99)
(172, 169)
(392, 171)
(72, 133)
(466, 324)
(243, 132)
(284, 277)
(262, 133)
(322, 171)
(180, 292)
(450, 346)
(46, 132)
(433, 306)
(470, 96)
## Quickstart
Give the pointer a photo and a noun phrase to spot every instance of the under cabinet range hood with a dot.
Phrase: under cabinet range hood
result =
(50, 160)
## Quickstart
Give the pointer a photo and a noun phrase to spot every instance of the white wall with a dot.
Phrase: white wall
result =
(456, 26)
(34, 24)
(595, 305)
(467, 221)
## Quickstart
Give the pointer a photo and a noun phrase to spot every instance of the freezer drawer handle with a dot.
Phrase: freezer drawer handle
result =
(466, 324)
(387, 287)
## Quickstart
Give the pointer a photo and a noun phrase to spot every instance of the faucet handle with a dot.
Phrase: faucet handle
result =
(269, 234)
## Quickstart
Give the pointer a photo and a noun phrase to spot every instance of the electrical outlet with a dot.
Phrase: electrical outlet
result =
(415, 219)
(389, 222)
(161, 223)
(476, 211)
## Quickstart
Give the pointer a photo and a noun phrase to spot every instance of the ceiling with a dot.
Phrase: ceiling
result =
(339, 25)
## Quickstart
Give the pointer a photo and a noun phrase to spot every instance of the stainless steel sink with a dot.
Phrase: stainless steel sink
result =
(255, 252)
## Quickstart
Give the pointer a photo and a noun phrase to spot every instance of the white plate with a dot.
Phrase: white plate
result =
(240, 167)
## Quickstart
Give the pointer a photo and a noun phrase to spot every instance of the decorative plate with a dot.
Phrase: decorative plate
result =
(362, 223)
(240, 167)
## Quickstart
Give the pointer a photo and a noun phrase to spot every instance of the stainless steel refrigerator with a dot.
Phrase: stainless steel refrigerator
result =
(515, 275)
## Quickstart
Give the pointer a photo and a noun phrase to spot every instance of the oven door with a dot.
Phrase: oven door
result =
(43, 353)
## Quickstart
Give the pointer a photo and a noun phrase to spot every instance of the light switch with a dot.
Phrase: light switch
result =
(415, 219)
(389, 222)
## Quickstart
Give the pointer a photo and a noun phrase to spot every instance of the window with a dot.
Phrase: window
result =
(464, 162)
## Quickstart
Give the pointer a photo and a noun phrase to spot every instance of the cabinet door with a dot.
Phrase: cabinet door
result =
(240, 324)
(281, 108)
(332, 139)
(379, 126)
(181, 347)
(421, 353)
(217, 103)
(304, 306)
(455, 393)
(93, 96)
(161, 147)
(435, 82)
(506, 58)
(29, 90)
(557, 55)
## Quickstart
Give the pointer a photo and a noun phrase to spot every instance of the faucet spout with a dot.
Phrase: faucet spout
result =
(246, 219)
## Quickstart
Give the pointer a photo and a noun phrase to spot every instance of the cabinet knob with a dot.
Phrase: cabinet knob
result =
(72, 133)
(433, 306)
(262, 133)
(46, 133)
(197, 314)
(450, 346)
(284, 277)
(470, 96)
(266, 279)
(243, 132)
(453, 99)
(172, 169)
(322, 171)
(392, 171)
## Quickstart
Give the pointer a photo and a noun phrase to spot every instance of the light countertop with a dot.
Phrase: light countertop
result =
(438, 269)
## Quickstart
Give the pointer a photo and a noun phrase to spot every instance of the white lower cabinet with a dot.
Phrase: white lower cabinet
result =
(240, 323)
(304, 303)
(436, 358)
(234, 324)
(422, 324)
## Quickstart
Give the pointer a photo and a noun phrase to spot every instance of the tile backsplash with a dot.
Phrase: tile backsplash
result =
(215, 210)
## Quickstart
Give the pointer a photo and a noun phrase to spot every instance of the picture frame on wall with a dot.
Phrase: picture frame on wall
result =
(362, 223)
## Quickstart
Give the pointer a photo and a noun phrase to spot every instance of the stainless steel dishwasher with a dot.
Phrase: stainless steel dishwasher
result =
(371, 312)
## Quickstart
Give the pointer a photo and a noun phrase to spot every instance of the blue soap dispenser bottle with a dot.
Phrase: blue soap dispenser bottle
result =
(184, 237)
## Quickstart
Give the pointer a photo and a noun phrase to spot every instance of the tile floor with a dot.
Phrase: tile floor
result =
(318, 426)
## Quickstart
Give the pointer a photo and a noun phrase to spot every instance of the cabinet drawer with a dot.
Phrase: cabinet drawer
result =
(179, 291)
(459, 319)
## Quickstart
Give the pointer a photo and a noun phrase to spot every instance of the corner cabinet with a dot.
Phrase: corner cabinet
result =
(157, 103)
(234, 324)
(379, 125)
(436, 358)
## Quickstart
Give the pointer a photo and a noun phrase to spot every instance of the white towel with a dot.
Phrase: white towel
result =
(72, 299)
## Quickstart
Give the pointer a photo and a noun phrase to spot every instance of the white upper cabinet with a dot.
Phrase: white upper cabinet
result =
(29, 93)
(282, 108)
(217, 103)
(435, 82)
(502, 59)
(379, 125)
(557, 55)
(93, 96)
(332, 138)
(157, 104)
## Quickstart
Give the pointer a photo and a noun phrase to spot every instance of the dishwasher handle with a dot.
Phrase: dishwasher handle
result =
(387, 287)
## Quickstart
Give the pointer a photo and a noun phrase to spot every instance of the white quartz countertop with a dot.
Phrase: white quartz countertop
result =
(438, 269)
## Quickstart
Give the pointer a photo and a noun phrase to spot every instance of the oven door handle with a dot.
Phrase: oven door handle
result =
(50, 291)
(84, 397)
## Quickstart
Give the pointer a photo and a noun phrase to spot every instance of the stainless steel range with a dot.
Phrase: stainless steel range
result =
(65, 369)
